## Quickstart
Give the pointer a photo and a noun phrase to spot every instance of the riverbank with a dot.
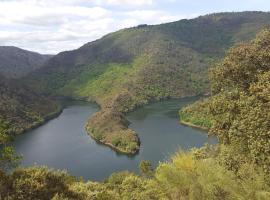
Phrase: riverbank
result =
(113, 147)
(124, 141)
(193, 125)
(13, 130)
(63, 143)
(47, 118)
(195, 115)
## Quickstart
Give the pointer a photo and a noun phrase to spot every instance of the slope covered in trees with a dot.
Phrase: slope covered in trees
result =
(16, 62)
(21, 108)
(134, 66)
(238, 112)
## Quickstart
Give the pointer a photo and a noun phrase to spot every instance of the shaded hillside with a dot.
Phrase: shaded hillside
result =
(22, 109)
(239, 110)
(131, 67)
(16, 62)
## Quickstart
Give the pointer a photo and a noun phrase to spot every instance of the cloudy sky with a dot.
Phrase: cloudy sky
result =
(51, 26)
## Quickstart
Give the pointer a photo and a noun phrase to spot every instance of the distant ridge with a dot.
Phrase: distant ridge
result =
(16, 62)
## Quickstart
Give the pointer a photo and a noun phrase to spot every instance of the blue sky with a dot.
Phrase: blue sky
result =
(51, 26)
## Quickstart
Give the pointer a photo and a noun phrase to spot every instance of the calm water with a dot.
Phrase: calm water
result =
(62, 143)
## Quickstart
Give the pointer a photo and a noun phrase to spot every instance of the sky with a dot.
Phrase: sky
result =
(52, 26)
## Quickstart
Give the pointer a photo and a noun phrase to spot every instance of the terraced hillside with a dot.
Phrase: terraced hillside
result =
(131, 67)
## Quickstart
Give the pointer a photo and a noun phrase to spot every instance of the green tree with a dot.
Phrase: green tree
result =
(240, 106)
(146, 168)
(8, 159)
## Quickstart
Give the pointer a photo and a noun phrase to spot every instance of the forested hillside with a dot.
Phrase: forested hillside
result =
(16, 62)
(238, 112)
(21, 108)
(134, 66)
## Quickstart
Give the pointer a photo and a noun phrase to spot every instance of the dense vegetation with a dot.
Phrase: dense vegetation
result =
(238, 110)
(16, 62)
(195, 175)
(134, 66)
(21, 108)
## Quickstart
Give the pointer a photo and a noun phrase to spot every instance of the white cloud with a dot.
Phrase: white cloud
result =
(34, 14)
(88, 2)
(128, 22)
(152, 16)
(130, 2)
(57, 25)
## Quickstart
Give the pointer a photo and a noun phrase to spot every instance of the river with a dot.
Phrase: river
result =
(62, 143)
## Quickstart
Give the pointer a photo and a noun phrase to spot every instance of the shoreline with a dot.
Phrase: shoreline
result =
(46, 119)
(110, 145)
(62, 105)
(119, 150)
(194, 125)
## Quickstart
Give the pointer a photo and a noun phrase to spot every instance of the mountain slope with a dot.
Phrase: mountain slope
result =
(131, 67)
(22, 109)
(16, 62)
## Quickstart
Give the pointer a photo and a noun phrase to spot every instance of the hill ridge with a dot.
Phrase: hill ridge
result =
(16, 62)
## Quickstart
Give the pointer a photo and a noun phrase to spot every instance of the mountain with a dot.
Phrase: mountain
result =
(16, 62)
(134, 66)
(22, 109)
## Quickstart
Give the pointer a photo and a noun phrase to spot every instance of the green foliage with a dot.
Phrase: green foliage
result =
(185, 177)
(8, 158)
(4, 136)
(22, 109)
(98, 136)
(242, 65)
(188, 178)
(37, 183)
(239, 110)
(117, 142)
(95, 85)
(146, 168)
(117, 178)
(112, 130)
(196, 114)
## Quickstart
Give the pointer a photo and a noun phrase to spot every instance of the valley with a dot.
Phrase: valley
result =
(133, 67)
(63, 143)
(173, 111)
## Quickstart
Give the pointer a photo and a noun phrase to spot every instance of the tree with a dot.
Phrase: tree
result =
(146, 168)
(8, 159)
